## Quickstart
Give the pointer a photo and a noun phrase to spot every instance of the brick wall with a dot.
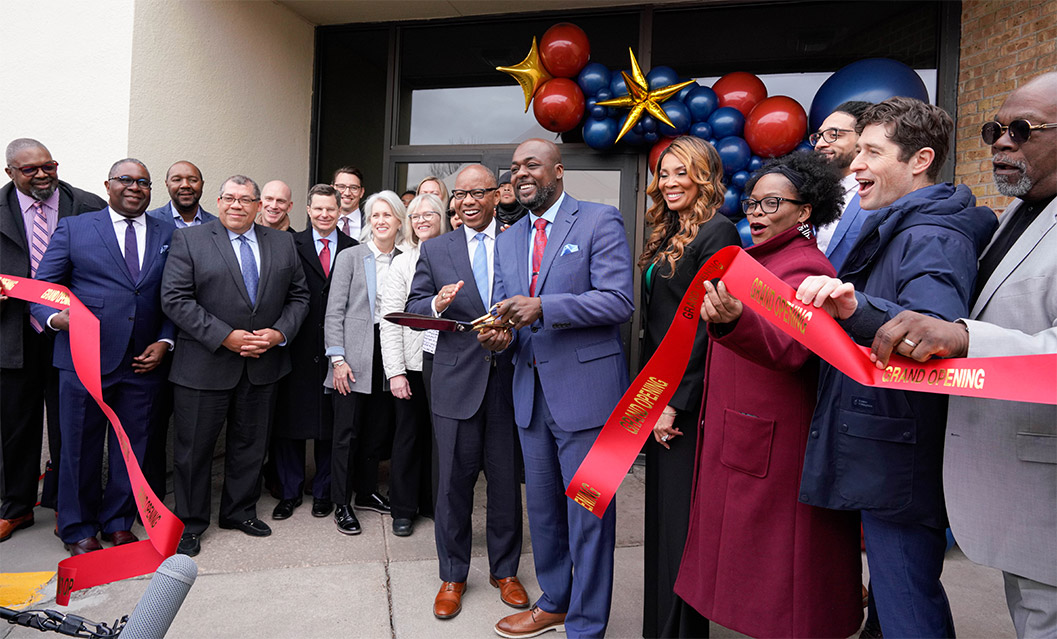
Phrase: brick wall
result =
(1003, 43)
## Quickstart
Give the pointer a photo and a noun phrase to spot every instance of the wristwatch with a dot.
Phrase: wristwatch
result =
(336, 360)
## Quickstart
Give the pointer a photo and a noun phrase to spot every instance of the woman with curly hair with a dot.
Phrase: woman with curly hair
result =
(757, 560)
(685, 231)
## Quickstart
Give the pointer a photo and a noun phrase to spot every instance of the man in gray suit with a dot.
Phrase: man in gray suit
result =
(237, 294)
(184, 182)
(1000, 459)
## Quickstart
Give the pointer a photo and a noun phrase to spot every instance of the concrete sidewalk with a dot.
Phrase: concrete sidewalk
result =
(308, 580)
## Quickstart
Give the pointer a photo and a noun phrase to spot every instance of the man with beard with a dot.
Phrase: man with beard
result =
(835, 140)
(563, 278)
(31, 206)
(112, 260)
(1000, 460)
(184, 183)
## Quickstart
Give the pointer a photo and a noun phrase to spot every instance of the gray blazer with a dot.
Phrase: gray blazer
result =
(203, 292)
(348, 327)
(1000, 458)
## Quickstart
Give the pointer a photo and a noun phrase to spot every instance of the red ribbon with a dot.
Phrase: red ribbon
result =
(596, 480)
(163, 528)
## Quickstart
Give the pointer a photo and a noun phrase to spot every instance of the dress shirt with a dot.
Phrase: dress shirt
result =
(251, 237)
(382, 262)
(139, 223)
(51, 211)
(824, 234)
(489, 245)
(179, 220)
(550, 215)
(333, 244)
(355, 223)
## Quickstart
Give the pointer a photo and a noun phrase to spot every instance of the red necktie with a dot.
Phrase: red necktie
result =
(324, 257)
(538, 244)
(37, 245)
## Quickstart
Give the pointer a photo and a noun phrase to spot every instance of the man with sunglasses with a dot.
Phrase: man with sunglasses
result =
(1000, 461)
(31, 205)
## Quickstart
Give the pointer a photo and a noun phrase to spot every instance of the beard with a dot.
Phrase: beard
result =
(1010, 186)
(843, 161)
(543, 193)
(42, 194)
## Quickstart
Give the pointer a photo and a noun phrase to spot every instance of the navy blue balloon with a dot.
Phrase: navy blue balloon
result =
(679, 114)
(744, 232)
(740, 179)
(661, 77)
(593, 78)
(702, 102)
(616, 113)
(603, 94)
(731, 202)
(649, 124)
(616, 84)
(804, 147)
(599, 112)
(726, 121)
(685, 91)
(713, 141)
(638, 128)
(870, 80)
(632, 138)
(651, 137)
(702, 130)
(755, 163)
(735, 154)
(600, 134)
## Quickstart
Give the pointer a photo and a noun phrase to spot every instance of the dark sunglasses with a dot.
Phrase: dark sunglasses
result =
(30, 171)
(1019, 130)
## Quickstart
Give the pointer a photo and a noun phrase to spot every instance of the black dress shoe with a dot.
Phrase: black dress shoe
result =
(321, 507)
(403, 527)
(252, 526)
(190, 545)
(285, 508)
(347, 522)
(374, 502)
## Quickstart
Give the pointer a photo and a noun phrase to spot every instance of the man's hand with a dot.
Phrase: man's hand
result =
(719, 306)
(446, 295)
(495, 339)
(343, 377)
(149, 359)
(400, 387)
(519, 311)
(61, 320)
(260, 341)
(918, 337)
(830, 294)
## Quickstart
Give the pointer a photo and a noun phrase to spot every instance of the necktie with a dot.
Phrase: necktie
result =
(37, 245)
(538, 244)
(480, 268)
(131, 251)
(345, 226)
(249, 269)
(324, 257)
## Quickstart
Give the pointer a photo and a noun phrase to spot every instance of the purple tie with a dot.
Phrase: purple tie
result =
(37, 245)
(131, 251)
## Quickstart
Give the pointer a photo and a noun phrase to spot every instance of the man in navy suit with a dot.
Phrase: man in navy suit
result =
(112, 260)
(563, 278)
(184, 183)
(473, 416)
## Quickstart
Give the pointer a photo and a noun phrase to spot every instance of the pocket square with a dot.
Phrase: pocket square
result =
(164, 248)
(569, 248)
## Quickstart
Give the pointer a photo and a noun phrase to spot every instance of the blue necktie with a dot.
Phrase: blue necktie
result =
(131, 251)
(249, 269)
(480, 268)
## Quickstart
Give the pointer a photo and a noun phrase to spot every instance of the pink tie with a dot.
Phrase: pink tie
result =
(538, 245)
(324, 257)
(38, 244)
(345, 226)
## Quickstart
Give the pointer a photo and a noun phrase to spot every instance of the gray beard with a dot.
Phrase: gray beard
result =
(543, 193)
(1017, 188)
(42, 194)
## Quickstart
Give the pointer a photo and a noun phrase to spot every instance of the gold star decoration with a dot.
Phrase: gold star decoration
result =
(640, 98)
(529, 73)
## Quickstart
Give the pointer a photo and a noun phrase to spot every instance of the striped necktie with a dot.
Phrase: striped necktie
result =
(37, 245)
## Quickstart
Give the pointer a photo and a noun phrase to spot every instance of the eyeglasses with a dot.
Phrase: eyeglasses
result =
(476, 193)
(30, 171)
(1019, 130)
(244, 201)
(352, 188)
(126, 180)
(424, 215)
(830, 135)
(766, 205)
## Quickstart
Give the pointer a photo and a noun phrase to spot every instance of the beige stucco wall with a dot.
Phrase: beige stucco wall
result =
(66, 78)
(226, 85)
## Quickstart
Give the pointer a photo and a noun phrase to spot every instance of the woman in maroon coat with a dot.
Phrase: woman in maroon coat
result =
(756, 560)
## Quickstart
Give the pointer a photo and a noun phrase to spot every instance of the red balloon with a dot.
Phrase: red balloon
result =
(775, 126)
(656, 150)
(559, 105)
(565, 50)
(740, 90)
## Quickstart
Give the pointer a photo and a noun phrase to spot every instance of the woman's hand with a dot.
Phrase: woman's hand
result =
(343, 377)
(663, 430)
(719, 306)
(399, 387)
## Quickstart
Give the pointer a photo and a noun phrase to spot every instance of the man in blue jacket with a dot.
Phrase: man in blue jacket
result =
(881, 451)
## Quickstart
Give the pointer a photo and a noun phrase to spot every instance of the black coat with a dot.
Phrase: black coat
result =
(302, 410)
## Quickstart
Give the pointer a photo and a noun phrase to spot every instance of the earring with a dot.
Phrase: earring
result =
(805, 229)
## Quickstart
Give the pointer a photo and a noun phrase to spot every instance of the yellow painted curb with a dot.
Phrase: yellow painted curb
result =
(21, 589)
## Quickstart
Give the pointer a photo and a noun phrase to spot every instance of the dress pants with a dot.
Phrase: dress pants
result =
(572, 548)
(24, 392)
(289, 457)
(198, 419)
(1032, 605)
(410, 478)
(85, 507)
(905, 565)
(462, 445)
(156, 462)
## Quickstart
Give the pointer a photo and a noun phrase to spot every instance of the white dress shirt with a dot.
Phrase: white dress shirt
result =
(824, 234)
(251, 237)
(139, 223)
(550, 215)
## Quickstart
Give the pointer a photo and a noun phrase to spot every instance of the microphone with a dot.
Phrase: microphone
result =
(165, 594)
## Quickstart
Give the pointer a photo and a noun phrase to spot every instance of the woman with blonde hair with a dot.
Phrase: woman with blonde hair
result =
(433, 185)
(685, 230)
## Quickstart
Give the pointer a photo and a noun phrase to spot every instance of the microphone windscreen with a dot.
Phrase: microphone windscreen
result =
(165, 594)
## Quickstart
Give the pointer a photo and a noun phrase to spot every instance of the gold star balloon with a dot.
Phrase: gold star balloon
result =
(640, 98)
(529, 73)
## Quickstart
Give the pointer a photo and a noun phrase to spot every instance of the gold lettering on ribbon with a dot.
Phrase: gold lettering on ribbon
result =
(587, 497)
(640, 405)
(149, 511)
(7, 283)
(951, 377)
(786, 311)
(55, 295)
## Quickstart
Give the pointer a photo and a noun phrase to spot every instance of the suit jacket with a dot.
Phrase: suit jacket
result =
(14, 260)
(584, 285)
(348, 327)
(165, 214)
(204, 294)
(1000, 459)
(460, 366)
(846, 233)
(84, 255)
(302, 411)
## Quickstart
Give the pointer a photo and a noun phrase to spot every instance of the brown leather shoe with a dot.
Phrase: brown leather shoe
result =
(88, 544)
(9, 526)
(120, 537)
(449, 599)
(530, 623)
(510, 591)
